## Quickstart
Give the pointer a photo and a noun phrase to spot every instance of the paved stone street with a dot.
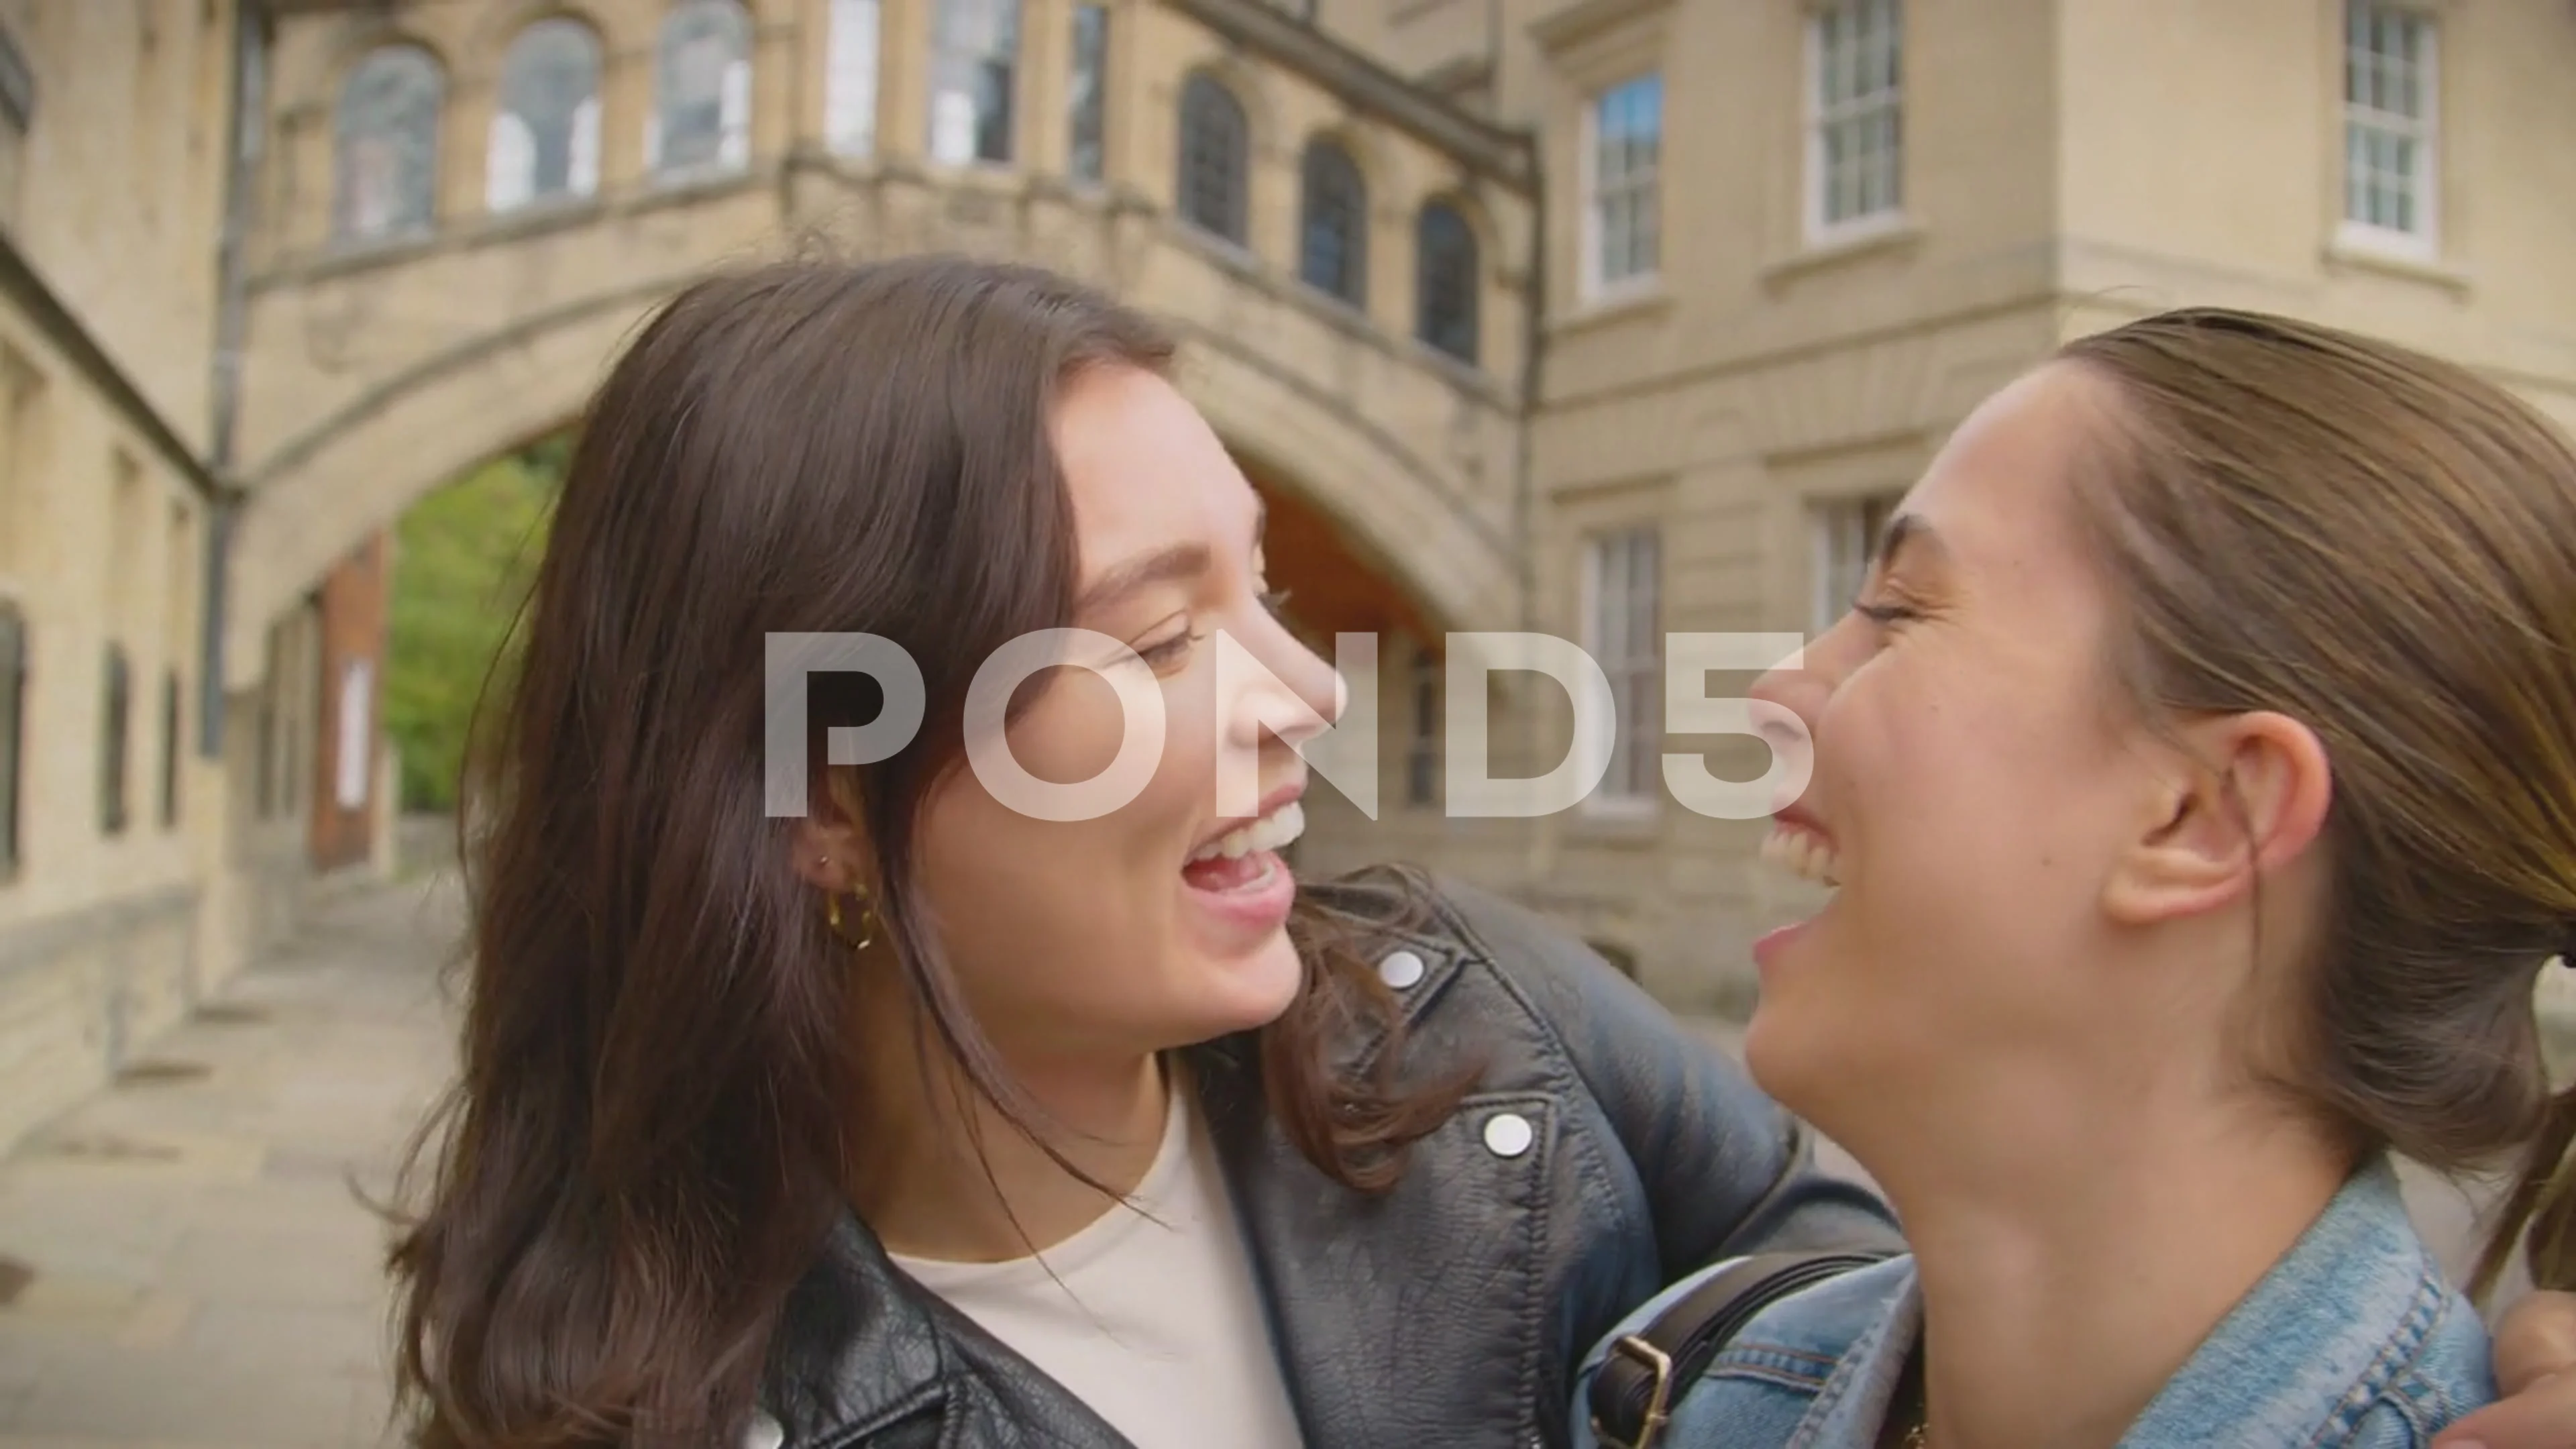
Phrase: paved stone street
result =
(183, 1260)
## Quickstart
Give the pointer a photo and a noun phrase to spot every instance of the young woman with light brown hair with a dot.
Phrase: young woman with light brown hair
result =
(2196, 776)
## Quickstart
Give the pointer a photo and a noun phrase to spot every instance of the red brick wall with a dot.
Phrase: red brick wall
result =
(353, 633)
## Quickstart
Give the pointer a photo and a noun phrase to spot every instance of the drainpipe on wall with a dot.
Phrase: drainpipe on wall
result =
(231, 319)
(1533, 349)
(1540, 860)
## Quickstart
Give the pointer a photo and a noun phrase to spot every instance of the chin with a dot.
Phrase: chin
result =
(1786, 1058)
(1250, 991)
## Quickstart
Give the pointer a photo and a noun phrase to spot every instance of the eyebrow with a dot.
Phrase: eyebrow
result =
(1160, 566)
(1127, 576)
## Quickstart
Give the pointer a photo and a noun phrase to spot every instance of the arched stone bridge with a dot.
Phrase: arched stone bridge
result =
(465, 206)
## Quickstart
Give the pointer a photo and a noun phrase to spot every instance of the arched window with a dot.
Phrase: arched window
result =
(1216, 159)
(386, 133)
(1446, 281)
(702, 90)
(545, 130)
(974, 64)
(1332, 246)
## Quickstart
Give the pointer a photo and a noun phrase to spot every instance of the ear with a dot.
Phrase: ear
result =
(2242, 801)
(830, 848)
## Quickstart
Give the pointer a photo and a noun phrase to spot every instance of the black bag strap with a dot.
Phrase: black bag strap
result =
(1633, 1393)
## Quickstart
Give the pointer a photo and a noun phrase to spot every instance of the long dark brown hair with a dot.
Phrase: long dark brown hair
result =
(644, 1149)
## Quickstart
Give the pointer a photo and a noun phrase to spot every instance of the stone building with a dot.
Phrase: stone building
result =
(1606, 319)
(113, 137)
(1788, 244)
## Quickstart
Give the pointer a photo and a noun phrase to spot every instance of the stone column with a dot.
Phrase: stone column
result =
(1127, 132)
(1045, 83)
(306, 178)
(1270, 230)
(811, 56)
(781, 91)
(384, 854)
(903, 80)
(1391, 270)
(625, 102)
(464, 141)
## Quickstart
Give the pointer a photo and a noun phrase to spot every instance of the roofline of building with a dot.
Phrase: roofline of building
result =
(22, 284)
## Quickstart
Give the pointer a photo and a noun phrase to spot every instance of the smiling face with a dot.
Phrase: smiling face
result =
(1975, 785)
(1159, 923)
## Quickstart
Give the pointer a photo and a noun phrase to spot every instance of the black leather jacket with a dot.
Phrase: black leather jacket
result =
(1453, 1310)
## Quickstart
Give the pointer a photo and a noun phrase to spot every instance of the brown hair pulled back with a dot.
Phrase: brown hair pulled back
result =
(2381, 545)
(644, 1149)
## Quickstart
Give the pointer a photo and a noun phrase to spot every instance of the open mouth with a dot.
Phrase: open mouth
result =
(1246, 857)
(1802, 852)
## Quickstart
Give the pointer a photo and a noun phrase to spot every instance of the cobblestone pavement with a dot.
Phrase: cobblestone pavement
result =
(184, 1260)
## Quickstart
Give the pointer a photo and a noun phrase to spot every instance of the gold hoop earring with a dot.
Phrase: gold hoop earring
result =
(867, 921)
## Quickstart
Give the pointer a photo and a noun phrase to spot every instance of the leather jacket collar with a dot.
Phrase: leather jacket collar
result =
(861, 1347)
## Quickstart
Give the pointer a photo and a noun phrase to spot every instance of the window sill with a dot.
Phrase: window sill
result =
(1220, 251)
(2352, 252)
(974, 170)
(695, 176)
(534, 218)
(1881, 236)
(1626, 303)
(1459, 370)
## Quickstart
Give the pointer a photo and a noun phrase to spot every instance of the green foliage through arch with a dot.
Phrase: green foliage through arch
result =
(464, 558)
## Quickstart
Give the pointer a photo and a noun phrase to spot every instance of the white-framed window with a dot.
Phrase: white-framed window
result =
(1855, 115)
(850, 78)
(1622, 631)
(1846, 540)
(1623, 147)
(2391, 140)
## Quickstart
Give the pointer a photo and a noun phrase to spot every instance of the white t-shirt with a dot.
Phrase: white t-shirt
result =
(1157, 1322)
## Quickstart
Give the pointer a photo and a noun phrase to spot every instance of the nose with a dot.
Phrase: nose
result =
(1294, 695)
(1797, 694)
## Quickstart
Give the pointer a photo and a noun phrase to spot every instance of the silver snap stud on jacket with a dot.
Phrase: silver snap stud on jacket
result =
(1508, 1134)
(1400, 969)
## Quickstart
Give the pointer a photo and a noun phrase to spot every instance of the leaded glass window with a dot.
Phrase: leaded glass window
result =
(1447, 280)
(386, 130)
(702, 90)
(1215, 159)
(1332, 250)
(974, 63)
(545, 131)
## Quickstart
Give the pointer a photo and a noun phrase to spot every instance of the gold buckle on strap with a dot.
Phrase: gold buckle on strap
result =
(1658, 1396)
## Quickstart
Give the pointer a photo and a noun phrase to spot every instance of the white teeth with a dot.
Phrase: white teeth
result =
(1803, 854)
(1269, 832)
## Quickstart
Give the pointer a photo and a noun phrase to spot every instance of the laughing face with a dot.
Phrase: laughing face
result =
(1159, 923)
(1975, 781)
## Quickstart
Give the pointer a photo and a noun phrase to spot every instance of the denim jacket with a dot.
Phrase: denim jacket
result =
(2353, 1338)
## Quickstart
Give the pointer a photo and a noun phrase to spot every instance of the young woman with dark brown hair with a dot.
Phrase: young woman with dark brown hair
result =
(918, 1120)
